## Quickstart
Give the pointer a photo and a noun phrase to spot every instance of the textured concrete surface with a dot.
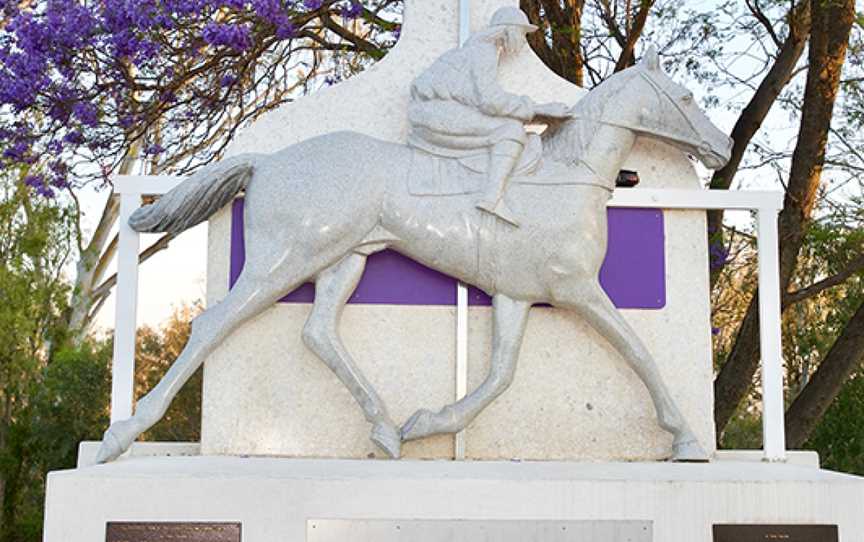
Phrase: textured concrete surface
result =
(275, 498)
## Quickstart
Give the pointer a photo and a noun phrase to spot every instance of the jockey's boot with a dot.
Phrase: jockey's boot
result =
(504, 157)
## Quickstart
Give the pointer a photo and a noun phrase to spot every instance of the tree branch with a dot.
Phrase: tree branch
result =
(855, 266)
(634, 32)
(846, 354)
(754, 113)
(831, 27)
(160, 245)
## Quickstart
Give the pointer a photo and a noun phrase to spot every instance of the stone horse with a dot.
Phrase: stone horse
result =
(316, 210)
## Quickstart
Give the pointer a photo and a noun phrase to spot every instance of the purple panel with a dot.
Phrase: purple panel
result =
(633, 273)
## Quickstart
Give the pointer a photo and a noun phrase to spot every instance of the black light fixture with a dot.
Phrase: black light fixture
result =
(627, 178)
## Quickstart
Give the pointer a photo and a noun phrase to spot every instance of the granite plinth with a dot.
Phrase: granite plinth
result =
(275, 499)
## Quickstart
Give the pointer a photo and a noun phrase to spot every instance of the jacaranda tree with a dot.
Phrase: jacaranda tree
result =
(90, 88)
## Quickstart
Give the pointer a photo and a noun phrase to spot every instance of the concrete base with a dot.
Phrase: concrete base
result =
(275, 498)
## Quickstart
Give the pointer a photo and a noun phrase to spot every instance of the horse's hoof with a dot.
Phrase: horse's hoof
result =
(419, 425)
(116, 440)
(388, 438)
(688, 451)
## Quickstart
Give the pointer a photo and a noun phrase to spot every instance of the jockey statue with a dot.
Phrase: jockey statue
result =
(458, 109)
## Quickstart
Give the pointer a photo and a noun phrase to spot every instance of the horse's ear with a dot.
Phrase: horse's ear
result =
(651, 60)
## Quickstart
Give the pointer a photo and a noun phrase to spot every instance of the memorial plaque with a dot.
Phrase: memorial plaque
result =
(172, 532)
(341, 530)
(786, 533)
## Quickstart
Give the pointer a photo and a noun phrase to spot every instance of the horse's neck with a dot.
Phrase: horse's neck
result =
(591, 148)
(606, 151)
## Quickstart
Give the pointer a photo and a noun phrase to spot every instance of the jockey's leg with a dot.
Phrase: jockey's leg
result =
(504, 156)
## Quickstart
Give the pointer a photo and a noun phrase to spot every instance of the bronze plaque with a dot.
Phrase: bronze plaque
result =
(172, 532)
(770, 533)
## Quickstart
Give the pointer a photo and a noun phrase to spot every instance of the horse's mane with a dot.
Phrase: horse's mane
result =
(567, 142)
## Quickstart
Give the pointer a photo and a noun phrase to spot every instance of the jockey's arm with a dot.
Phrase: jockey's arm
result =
(494, 100)
(497, 102)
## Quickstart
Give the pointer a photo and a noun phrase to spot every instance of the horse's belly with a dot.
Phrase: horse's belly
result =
(562, 236)
(450, 235)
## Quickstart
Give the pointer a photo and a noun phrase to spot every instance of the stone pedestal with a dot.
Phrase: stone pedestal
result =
(281, 500)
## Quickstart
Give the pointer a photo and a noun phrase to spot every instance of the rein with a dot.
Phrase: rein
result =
(641, 129)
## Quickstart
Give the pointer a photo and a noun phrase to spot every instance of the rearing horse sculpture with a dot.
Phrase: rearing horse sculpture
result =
(315, 211)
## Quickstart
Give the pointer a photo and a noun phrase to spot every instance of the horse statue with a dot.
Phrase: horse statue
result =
(316, 210)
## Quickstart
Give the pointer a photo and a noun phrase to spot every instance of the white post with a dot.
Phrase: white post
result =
(462, 289)
(125, 321)
(773, 430)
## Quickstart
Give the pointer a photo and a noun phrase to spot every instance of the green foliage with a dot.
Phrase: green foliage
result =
(34, 248)
(66, 403)
(839, 439)
(53, 394)
(744, 432)
(157, 350)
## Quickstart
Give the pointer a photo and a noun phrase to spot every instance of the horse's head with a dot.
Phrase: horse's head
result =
(648, 102)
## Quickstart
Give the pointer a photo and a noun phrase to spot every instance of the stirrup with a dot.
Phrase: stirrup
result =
(498, 209)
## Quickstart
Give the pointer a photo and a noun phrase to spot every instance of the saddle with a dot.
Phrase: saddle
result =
(433, 175)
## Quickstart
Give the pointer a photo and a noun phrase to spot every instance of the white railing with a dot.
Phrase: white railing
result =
(765, 204)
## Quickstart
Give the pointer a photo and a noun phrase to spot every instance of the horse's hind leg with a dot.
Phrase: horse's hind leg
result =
(333, 287)
(508, 327)
(249, 297)
(591, 302)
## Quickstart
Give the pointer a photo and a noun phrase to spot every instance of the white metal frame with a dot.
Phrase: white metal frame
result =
(765, 204)
(461, 288)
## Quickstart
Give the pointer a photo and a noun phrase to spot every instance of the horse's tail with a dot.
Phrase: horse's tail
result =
(196, 198)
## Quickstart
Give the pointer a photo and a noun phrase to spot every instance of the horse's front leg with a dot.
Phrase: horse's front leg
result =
(590, 301)
(508, 320)
(333, 287)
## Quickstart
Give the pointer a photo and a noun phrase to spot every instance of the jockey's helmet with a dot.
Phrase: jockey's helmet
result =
(510, 16)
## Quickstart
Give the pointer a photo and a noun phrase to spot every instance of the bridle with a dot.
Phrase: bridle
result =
(703, 146)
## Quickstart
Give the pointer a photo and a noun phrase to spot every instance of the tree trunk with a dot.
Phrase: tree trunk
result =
(634, 31)
(562, 20)
(754, 113)
(846, 354)
(831, 24)
(93, 260)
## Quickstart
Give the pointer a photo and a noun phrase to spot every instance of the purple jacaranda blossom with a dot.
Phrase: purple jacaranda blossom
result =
(268, 10)
(167, 97)
(34, 180)
(352, 9)
(718, 255)
(37, 182)
(74, 137)
(67, 68)
(235, 36)
(86, 113)
(154, 149)
(17, 152)
(60, 181)
(44, 190)
(125, 121)
(285, 29)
